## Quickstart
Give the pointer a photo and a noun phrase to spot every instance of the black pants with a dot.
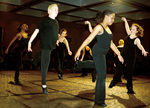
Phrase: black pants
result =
(60, 57)
(19, 62)
(45, 60)
(100, 65)
(130, 66)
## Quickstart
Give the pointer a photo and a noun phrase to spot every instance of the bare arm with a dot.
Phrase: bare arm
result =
(139, 45)
(32, 38)
(96, 30)
(89, 24)
(83, 54)
(11, 42)
(67, 46)
(114, 48)
(126, 26)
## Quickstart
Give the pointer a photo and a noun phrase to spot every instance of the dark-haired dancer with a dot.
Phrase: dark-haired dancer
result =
(104, 41)
(48, 28)
(60, 51)
(128, 54)
(22, 37)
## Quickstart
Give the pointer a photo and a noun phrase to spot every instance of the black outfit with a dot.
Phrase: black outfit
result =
(19, 54)
(48, 35)
(116, 60)
(87, 56)
(99, 56)
(60, 57)
(128, 53)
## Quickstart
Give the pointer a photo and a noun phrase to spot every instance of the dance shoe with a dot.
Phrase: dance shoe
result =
(60, 76)
(102, 104)
(111, 84)
(45, 91)
(130, 91)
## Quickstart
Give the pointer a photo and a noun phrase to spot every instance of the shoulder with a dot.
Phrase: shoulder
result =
(136, 41)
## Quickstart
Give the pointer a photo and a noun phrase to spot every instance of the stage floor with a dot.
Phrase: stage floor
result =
(73, 91)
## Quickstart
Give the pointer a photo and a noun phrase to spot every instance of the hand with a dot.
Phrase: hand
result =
(6, 51)
(70, 53)
(29, 47)
(57, 42)
(121, 59)
(123, 19)
(86, 22)
(144, 53)
(77, 55)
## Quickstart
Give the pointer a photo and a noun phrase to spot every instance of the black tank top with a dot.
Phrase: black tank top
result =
(23, 43)
(103, 41)
(129, 47)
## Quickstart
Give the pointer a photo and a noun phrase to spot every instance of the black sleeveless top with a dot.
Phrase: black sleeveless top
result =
(23, 43)
(103, 41)
(60, 48)
(129, 48)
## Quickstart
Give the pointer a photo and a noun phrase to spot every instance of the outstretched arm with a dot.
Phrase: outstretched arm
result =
(89, 24)
(32, 38)
(139, 45)
(114, 48)
(67, 46)
(126, 25)
(83, 54)
(11, 42)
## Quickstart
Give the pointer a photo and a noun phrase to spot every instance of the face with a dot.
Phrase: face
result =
(54, 11)
(110, 18)
(24, 27)
(64, 33)
(134, 30)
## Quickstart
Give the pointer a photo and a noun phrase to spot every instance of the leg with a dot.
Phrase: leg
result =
(117, 75)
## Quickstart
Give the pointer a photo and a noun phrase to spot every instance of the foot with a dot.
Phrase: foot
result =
(111, 84)
(60, 76)
(131, 91)
(101, 104)
(45, 91)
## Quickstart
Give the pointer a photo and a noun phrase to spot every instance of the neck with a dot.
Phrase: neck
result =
(104, 24)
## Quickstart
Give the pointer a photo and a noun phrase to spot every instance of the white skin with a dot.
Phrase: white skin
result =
(52, 14)
(89, 24)
(18, 36)
(132, 34)
(62, 38)
(108, 20)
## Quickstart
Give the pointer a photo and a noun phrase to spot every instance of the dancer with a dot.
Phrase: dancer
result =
(60, 51)
(104, 41)
(120, 47)
(128, 54)
(48, 28)
(22, 37)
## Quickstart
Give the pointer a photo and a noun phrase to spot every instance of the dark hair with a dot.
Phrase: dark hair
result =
(101, 15)
(62, 30)
(19, 27)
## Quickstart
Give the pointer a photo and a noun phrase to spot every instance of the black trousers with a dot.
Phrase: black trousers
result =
(129, 61)
(45, 60)
(100, 65)
(19, 63)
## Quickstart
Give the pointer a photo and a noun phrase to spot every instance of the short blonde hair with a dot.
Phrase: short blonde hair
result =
(50, 7)
(121, 42)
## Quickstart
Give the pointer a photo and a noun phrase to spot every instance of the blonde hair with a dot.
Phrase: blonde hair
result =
(50, 7)
(139, 29)
(121, 42)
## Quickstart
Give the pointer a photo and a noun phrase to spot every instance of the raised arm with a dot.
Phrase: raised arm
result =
(96, 30)
(139, 45)
(32, 38)
(114, 48)
(89, 25)
(12, 41)
(126, 25)
(67, 46)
